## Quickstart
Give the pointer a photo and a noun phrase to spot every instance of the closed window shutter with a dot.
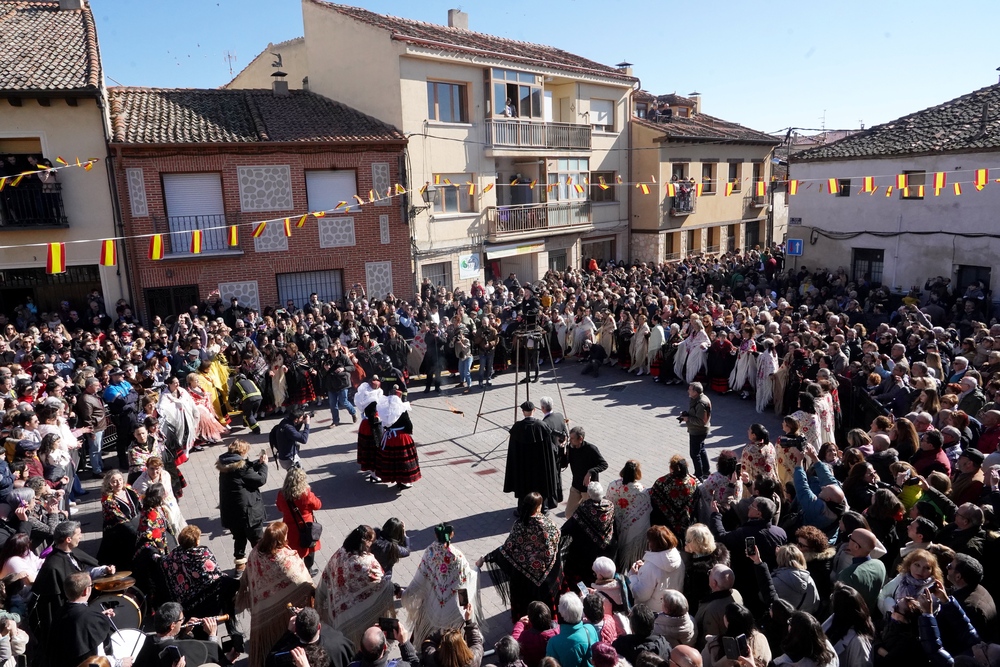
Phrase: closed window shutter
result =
(326, 189)
(194, 201)
(602, 112)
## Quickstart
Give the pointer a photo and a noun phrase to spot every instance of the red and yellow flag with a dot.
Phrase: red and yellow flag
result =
(56, 260)
(318, 214)
(258, 231)
(869, 184)
(90, 164)
(643, 187)
(579, 188)
(437, 179)
(958, 189)
(472, 187)
(888, 191)
(729, 188)
(901, 181)
(400, 190)
(569, 180)
(761, 188)
(533, 183)
(874, 190)
(361, 202)
(920, 191)
(61, 161)
(487, 187)
(423, 188)
(982, 177)
(156, 247)
(302, 221)
(109, 253)
(196, 242)
(371, 196)
(17, 180)
(671, 190)
(793, 187)
(698, 189)
(831, 184)
(940, 180)
(234, 236)
(288, 226)
(618, 178)
(602, 184)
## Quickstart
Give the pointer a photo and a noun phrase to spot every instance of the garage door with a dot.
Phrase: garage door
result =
(329, 285)
(522, 265)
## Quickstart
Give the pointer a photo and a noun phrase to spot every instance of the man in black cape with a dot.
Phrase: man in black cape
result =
(531, 460)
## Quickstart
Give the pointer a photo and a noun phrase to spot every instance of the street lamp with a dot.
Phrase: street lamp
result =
(431, 196)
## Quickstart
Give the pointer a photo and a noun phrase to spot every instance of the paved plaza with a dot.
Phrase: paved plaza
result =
(625, 416)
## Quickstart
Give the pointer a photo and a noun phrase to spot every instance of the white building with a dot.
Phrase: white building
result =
(915, 233)
(485, 111)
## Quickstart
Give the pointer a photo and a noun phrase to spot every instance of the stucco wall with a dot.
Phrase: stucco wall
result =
(258, 73)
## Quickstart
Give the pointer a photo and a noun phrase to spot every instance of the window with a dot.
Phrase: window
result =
(683, 112)
(843, 187)
(566, 175)
(524, 91)
(867, 263)
(602, 250)
(296, 287)
(708, 172)
(557, 260)
(194, 201)
(602, 115)
(679, 171)
(169, 301)
(439, 274)
(327, 188)
(915, 181)
(599, 194)
(454, 198)
(447, 102)
(640, 110)
(736, 175)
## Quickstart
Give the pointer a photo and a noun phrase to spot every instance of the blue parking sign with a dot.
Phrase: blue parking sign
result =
(794, 248)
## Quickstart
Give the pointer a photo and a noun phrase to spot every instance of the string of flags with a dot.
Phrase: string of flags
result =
(56, 252)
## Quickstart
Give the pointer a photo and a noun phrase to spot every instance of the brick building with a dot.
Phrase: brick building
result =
(204, 160)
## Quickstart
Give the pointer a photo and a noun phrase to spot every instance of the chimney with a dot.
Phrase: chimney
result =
(624, 67)
(458, 19)
(278, 84)
(696, 96)
(70, 4)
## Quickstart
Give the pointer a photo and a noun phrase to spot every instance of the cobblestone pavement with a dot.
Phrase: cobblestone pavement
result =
(625, 416)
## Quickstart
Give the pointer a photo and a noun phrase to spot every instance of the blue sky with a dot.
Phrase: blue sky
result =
(767, 65)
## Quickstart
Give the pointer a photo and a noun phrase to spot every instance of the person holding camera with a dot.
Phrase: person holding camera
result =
(241, 507)
(698, 419)
(289, 436)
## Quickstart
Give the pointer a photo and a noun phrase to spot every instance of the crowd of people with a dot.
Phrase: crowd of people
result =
(859, 535)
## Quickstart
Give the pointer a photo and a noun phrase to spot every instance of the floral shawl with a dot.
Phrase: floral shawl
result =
(116, 511)
(674, 498)
(630, 500)
(153, 532)
(597, 520)
(190, 574)
(348, 599)
(430, 599)
(532, 548)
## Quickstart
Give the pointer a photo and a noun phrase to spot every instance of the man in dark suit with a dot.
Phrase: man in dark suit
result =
(556, 423)
(531, 461)
(81, 630)
(171, 631)
(305, 629)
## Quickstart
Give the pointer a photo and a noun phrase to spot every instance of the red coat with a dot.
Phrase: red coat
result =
(307, 504)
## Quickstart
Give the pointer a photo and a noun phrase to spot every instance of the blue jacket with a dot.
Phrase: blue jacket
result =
(958, 628)
(814, 509)
(289, 439)
(571, 647)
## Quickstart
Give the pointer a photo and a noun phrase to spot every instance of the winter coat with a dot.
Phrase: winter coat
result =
(660, 570)
(797, 588)
(784, 661)
(677, 630)
(815, 511)
(853, 650)
(710, 619)
(714, 656)
(696, 571)
(240, 502)
(630, 646)
(571, 647)
(956, 626)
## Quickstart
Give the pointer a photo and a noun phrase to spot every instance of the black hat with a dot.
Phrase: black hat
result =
(528, 406)
(115, 371)
(974, 455)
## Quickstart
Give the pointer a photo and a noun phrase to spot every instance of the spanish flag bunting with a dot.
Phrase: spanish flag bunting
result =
(982, 176)
(447, 182)
(196, 242)
(652, 178)
(729, 189)
(109, 253)
(906, 193)
(258, 231)
(388, 193)
(472, 187)
(618, 179)
(579, 188)
(874, 190)
(234, 236)
(400, 190)
(56, 261)
(437, 179)
(586, 180)
(831, 184)
(671, 190)
(569, 180)
(888, 191)
(487, 188)
(958, 189)
(869, 184)
(156, 247)
(761, 188)
(78, 162)
(643, 187)
(62, 161)
(315, 214)
(3, 184)
(698, 189)
(552, 186)
(920, 191)
(288, 226)
(602, 184)
(423, 188)
(371, 196)
(17, 180)
(340, 204)
(937, 192)
(793, 187)
(89, 165)
(533, 184)
(302, 221)
(940, 179)
(361, 201)
(901, 181)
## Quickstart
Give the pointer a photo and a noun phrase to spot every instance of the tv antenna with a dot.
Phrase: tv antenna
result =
(230, 58)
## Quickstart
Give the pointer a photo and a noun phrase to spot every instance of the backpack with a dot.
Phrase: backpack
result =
(701, 508)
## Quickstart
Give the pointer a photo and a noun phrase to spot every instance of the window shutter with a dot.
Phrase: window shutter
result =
(602, 112)
(325, 189)
(193, 194)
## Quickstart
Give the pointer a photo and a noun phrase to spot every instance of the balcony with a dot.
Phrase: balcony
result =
(534, 220)
(177, 230)
(683, 204)
(32, 205)
(515, 133)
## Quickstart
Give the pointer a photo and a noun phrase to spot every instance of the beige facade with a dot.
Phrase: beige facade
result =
(509, 228)
(665, 228)
(259, 72)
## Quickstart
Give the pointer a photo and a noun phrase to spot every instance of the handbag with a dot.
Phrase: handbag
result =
(309, 531)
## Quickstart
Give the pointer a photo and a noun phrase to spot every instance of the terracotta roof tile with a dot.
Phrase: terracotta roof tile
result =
(44, 48)
(468, 41)
(956, 125)
(179, 116)
(702, 127)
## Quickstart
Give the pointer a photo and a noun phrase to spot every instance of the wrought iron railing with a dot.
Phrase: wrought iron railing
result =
(32, 204)
(517, 133)
(525, 218)
(683, 203)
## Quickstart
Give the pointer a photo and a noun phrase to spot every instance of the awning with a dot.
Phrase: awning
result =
(501, 251)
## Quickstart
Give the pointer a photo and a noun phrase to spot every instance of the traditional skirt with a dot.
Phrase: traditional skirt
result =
(301, 390)
(396, 461)
(366, 446)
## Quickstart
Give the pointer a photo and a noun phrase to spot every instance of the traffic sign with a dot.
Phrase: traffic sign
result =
(794, 247)
(795, 222)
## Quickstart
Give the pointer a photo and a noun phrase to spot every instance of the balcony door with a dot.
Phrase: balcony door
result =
(194, 201)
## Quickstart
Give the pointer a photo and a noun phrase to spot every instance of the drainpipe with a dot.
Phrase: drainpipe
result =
(119, 225)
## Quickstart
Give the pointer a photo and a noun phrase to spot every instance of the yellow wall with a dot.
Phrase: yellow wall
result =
(258, 73)
(70, 133)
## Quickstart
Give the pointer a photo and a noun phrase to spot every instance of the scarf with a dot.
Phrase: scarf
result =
(597, 520)
(912, 587)
(532, 548)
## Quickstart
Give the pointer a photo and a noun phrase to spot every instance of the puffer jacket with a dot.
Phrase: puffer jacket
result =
(240, 480)
(797, 588)
(660, 570)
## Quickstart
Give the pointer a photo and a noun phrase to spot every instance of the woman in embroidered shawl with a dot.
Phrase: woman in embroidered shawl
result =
(672, 497)
(527, 566)
(121, 507)
(210, 429)
(275, 576)
(587, 535)
(354, 592)
(607, 334)
(691, 354)
(767, 366)
(430, 599)
(179, 418)
(632, 510)
(744, 376)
